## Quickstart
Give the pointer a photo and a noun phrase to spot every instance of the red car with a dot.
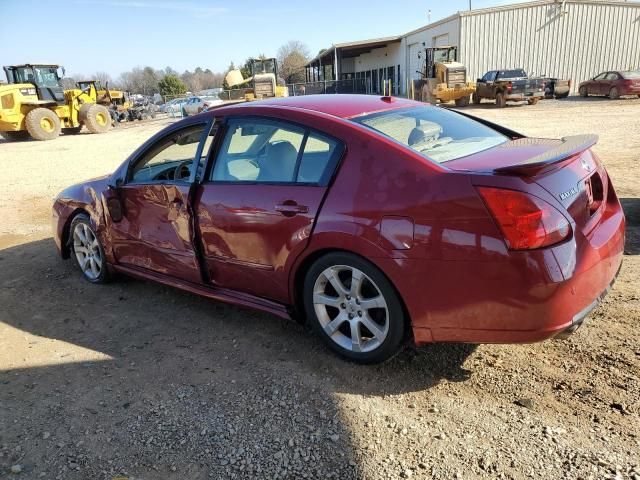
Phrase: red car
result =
(381, 221)
(612, 84)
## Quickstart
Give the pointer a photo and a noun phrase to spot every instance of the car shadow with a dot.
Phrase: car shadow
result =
(95, 375)
(631, 207)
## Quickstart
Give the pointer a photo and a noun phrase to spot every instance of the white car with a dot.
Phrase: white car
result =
(195, 105)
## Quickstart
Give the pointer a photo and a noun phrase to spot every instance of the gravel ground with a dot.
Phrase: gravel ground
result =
(135, 380)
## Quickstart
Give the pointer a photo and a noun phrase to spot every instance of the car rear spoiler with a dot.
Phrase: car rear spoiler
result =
(569, 147)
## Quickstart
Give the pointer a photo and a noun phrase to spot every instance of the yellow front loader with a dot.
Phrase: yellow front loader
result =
(263, 79)
(444, 78)
(33, 103)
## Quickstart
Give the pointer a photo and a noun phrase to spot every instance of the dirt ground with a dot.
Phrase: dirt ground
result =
(136, 380)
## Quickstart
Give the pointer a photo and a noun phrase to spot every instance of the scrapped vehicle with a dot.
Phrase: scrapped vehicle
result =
(173, 106)
(613, 84)
(195, 105)
(509, 86)
(556, 87)
(381, 221)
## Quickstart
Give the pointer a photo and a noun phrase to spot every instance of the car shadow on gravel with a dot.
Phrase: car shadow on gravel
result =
(133, 378)
(631, 207)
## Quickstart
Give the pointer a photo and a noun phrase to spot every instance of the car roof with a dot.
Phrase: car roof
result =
(338, 105)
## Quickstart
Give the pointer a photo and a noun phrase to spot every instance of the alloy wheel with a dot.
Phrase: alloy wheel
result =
(87, 250)
(351, 308)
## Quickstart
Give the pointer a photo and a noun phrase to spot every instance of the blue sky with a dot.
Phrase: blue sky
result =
(116, 35)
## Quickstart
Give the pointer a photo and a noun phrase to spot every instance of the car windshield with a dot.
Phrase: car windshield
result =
(434, 132)
(631, 75)
(518, 73)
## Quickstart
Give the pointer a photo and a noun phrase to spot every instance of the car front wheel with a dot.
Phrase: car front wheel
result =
(354, 308)
(87, 250)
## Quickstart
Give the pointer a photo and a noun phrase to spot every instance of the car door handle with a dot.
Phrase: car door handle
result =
(291, 209)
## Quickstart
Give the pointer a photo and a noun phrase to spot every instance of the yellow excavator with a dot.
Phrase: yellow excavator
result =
(444, 78)
(33, 103)
(263, 80)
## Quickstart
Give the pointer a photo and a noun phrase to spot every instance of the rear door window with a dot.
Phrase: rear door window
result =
(268, 151)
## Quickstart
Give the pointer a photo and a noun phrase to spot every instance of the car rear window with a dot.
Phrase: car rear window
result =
(631, 75)
(436, 133)
(518, 73)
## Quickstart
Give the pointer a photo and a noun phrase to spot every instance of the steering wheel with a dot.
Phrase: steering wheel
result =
(182, 171)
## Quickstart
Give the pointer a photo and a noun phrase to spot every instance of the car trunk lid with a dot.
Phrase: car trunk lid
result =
(565, 168)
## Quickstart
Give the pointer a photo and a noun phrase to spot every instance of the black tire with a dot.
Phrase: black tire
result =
(614, 94)
(15, 136)
(476, 99)
(96, 118)
(42, 124)
(463, 101)
(533, 101)
(583, 91)
(501, 100)
(83, 220)
(392, 318)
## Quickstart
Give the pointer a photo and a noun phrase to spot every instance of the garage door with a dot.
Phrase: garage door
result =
(441, 40)
(415, 63)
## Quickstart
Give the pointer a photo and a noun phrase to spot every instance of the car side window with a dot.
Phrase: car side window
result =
(601, 76)
(612, 76)
(316, 163)
(171, 158)
(267, 151)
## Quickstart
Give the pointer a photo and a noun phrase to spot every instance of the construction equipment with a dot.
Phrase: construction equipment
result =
(264, 80)
(33, 103)
(117, 101)
(444, 78)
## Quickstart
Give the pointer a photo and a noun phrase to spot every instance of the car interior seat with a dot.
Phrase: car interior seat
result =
(279, 162)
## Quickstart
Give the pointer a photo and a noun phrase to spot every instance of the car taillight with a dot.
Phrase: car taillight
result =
(509, 87)
(526, 222)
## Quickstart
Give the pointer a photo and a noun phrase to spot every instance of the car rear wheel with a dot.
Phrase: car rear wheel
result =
(501, 100)
(614, 94)
(87, 250)
(354, 308)
(583, 91)
(476, 99)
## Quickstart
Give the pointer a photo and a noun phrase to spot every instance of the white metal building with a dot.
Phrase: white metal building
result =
(574, 39)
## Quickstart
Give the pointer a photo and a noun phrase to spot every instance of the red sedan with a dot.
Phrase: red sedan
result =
(612, 84)
(381, 221)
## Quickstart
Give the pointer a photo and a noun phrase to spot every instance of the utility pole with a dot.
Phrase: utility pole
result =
(469, 4)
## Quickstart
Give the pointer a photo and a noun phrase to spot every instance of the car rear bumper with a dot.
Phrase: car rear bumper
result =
(518, 97)
(529, 297)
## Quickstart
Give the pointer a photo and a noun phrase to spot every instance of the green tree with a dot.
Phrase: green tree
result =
(171, 85)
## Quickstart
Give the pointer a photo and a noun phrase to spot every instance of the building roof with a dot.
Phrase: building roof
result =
(353, 49)
(514, 6)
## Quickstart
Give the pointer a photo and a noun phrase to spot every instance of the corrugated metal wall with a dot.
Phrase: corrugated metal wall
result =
(587, 39)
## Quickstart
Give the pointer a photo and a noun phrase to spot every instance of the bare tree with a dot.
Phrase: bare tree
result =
(102, 78)
(292, 57)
